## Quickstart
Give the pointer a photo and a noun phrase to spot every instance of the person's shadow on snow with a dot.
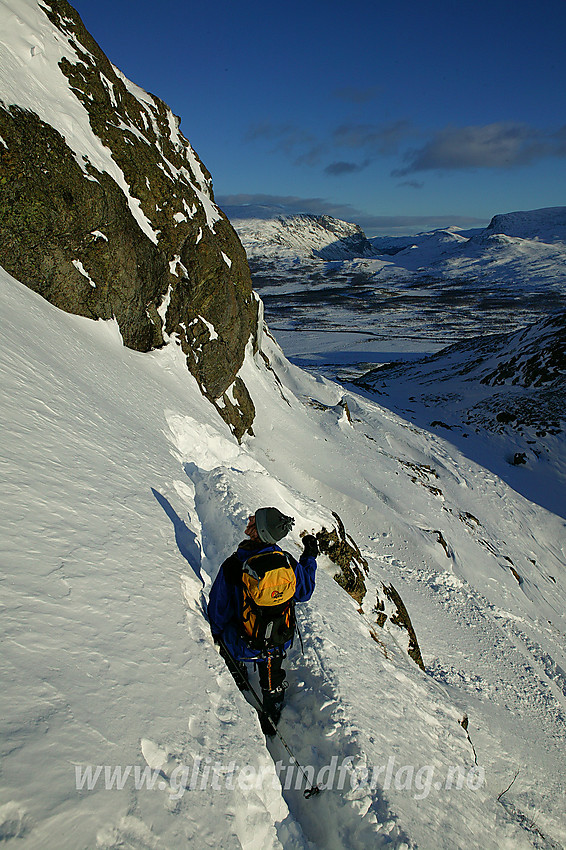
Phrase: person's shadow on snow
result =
(185, 538)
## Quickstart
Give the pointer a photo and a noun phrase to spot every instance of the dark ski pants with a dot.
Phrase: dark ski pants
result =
(270, 670)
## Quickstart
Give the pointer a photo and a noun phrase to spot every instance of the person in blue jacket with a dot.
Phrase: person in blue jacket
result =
(264, 530)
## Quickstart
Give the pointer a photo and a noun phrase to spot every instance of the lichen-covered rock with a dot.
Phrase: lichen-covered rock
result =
(392, 608)
(121, 224)
(343, 551)
(74, 240)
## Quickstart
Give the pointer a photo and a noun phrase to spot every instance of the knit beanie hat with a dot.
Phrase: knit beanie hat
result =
(272, 525)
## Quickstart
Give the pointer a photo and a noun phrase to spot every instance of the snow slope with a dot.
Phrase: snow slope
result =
(496, 397)
(123, 491)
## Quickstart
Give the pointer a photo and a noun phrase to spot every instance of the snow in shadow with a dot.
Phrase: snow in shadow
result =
(185, 538)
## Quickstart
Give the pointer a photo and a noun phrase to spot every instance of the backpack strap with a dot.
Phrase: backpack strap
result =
(290, 560)
(232, 569)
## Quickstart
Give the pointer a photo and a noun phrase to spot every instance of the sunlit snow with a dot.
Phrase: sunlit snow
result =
(124, 491)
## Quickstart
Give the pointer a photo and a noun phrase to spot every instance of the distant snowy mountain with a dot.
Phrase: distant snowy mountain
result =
(528, 246)
(417, 294)
(546, 225)
(302, 235)
(437, 240)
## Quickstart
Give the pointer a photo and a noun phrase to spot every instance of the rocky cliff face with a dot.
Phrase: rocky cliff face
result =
(107, 211)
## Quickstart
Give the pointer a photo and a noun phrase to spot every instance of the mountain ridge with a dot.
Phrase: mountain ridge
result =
(269, 231)
(302, 234)
(547, 224)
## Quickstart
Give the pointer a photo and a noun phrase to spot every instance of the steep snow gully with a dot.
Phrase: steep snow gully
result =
(315, 723)
(120, 725)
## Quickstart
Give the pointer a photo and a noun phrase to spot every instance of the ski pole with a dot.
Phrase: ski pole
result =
(311, 790)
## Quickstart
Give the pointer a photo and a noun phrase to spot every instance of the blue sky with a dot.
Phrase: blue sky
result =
(401, 116)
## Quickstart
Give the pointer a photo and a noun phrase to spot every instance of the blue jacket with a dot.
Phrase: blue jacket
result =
(225, 600)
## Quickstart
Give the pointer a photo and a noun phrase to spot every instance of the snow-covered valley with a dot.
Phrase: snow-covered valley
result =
(415, 296)
(123, 492)
(466, 329)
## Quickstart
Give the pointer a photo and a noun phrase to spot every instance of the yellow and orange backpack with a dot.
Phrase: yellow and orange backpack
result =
(268, 605)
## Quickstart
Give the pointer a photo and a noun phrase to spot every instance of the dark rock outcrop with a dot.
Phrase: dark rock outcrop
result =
(142, 241)
(397, 614)
(342, 550)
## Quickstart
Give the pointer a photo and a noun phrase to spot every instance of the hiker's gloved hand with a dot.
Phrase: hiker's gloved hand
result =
(310, 544)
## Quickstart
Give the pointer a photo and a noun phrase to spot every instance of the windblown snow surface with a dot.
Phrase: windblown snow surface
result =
(121, 728)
